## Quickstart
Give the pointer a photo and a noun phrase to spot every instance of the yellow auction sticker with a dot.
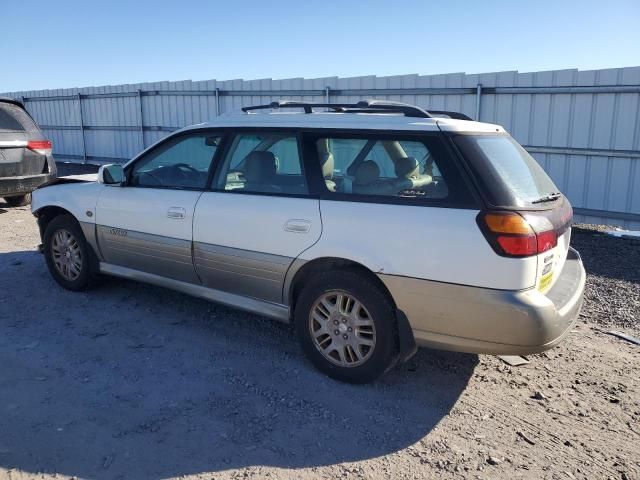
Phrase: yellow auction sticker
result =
(545, 282)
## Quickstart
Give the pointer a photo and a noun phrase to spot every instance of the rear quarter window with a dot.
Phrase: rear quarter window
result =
(390, 168)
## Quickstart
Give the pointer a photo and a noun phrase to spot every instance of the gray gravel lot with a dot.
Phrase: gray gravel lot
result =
(133, 381)
(613, 284)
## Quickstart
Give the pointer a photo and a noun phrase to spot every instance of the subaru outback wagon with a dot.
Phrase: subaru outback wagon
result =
(375, 227)
(25, 154)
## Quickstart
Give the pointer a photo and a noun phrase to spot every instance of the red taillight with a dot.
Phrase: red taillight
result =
(43, 147)
(511, 235)
(518, 246)
(547, 241)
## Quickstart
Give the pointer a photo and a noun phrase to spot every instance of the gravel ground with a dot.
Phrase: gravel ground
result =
(133, 381)
(613, 284)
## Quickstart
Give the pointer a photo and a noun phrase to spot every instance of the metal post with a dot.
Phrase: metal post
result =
(141, 117)
(217, 101)
(327, 93)
(478, 96)
(84, 144)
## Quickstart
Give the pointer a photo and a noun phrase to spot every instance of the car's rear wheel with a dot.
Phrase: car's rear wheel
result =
(69, 258)
(346, 326)
(19, 200)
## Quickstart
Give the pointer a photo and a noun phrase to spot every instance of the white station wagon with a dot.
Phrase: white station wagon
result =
(375, 227)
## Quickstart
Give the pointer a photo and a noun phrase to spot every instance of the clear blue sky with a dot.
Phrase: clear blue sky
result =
(59, 43)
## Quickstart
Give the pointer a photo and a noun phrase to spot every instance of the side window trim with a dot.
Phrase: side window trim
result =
(222, 156)
(129, 167)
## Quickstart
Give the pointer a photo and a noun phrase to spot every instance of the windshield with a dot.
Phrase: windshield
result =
(510, 175)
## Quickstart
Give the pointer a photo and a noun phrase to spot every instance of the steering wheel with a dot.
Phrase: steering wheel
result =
(187, 172)
(186, 166)
(152, 180)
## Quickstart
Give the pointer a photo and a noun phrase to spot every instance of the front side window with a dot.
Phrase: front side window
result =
(263, 163)
(180, 163)
(383, 167)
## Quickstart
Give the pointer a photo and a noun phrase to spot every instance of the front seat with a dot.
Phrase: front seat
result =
(260, 173)
(327, 162)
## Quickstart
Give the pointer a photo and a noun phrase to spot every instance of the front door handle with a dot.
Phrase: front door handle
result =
(297, 226)
(176, 212)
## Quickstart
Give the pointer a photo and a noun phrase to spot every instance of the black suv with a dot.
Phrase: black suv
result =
(25, 154)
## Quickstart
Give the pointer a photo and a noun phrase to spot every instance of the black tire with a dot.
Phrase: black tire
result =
(88, 271)
(18, 201)
(384, 353)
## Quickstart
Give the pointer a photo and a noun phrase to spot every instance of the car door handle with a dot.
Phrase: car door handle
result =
(297, 226)
(176, 212)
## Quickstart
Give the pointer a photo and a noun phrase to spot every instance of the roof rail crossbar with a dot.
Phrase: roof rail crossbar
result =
(453, 115)
(364, 106)
(408, 110)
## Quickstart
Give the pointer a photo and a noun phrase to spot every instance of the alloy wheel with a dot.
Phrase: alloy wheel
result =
(342, 329)
(66, 255)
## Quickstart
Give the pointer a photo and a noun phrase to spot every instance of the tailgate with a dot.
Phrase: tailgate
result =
(16, 130)
(16, 160)
(551, 261)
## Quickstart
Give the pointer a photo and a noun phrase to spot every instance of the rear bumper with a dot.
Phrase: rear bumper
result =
(10, 186)
(478, 320)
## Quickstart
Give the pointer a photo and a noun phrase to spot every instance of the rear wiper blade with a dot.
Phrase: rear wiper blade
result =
(548, 198)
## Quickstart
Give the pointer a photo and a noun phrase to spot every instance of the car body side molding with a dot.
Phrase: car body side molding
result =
(268, 309)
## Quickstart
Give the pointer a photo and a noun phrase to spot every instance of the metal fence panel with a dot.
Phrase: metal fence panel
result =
(583, 127)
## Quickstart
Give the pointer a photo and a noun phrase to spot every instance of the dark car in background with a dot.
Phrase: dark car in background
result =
(26, 161)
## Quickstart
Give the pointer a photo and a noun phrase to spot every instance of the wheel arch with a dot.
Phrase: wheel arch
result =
(306, 269)
(47, 213)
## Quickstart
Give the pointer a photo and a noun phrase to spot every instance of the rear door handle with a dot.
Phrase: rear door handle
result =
(176, 212)
(297, 226)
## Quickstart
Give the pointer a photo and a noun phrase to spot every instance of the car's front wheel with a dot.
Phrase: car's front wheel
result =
(69, 257)
(346, 326)
(19, 200)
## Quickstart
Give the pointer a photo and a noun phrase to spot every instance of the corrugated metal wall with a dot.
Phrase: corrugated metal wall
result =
(582, 126)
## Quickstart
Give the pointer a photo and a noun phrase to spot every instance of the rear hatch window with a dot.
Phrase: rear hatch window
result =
(510, 177)
(15, 119)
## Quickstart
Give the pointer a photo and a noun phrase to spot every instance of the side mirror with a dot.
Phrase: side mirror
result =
(112, 174)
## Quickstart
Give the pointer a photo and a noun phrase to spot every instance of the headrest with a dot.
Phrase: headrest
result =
(367, 172)
(327, 162)
(260, 167)
(407, 167)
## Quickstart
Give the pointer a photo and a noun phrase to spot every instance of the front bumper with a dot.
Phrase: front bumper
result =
(498, 322)
(10, 186)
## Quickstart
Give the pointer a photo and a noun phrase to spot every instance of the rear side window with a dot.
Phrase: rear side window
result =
(511, 176)
(15, 119)
(266, 162)
(384, 166)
